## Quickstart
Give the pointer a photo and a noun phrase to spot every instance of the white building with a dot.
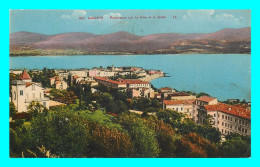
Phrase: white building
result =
(228, 118)
(24, 91)
(186, 107)
(61, 85)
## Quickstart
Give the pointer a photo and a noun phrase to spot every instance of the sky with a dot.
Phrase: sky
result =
(133, 21)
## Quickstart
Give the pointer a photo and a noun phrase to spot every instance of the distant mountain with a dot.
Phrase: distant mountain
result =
(223, 41)
(229, 34)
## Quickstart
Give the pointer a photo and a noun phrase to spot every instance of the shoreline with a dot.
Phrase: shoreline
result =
(125, 54)
(152, 77)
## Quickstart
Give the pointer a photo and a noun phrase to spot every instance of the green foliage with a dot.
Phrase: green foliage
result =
(43, 76)
(108, 142)
(13, 141)
(63, 132)
(12, 109)
(165, 135)
(236, 146)
(35, 108)
(63, 96)
(101, 118)
(184, 125)
(144, 138)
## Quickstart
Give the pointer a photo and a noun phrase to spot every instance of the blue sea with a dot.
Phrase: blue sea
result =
(223, 76)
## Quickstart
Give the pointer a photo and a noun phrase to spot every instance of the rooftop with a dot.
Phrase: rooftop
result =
(133, 81)
(109, 80)
(230, 109)
(165, 88)
(24, 75)
(179, 94)
(176, 102)
(206, 98)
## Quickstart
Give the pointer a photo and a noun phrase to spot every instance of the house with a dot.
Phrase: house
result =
(228, 118)
(135, 83)
(186, 107)
(58, 82)
(24, 91)
(201, 102)
(101, 73)
(206, 100)
(181, 96)
(140, 92)
(166, 90)
(61, 85)
(233, 100)
(79, 73)
(110, 83)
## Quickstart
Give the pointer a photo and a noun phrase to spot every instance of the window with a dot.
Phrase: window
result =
(242, 129)
(222, 123)
(214, 115)
(235, 120)
(21, 92)
(222, 130)
(230, 126)
(44, 104)
(218, 115)
(245, 130)
(222, 116)
(225, 124)
(218, 122)
(240, 121)
(181, 108)
(225, 131)
(226, 117)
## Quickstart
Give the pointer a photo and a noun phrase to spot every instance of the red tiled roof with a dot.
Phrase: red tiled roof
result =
(165, 88)
(175, 102)
(133, 81)
(109, 80)
(28, 84)
(57, 82)
(122, 81)
(230, 109)
(206, 98)
(25, 75)
(75, 77)
(55, 77)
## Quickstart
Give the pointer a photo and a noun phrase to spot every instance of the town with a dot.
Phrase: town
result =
(132, 91)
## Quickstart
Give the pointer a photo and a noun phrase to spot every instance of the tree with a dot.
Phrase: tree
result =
(193, 145)
(12, 109)
(184, 125)
(165, 135)
(144, 138)
(35, 108)
(63, 96)
(236, 146)
(108, 142)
